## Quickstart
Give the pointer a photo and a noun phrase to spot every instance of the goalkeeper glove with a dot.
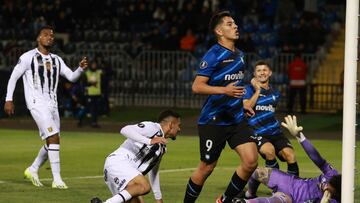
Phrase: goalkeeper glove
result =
(293, 128)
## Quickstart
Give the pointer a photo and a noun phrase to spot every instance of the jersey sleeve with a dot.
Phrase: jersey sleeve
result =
(154, 179)
(318, 160)
(207, 65)
(65, 71)
(18, 71)
(249, 91)
(141, 132)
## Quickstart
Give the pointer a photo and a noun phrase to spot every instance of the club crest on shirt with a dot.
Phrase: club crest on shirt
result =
(203, 64)
(50, 129)
(48, 65)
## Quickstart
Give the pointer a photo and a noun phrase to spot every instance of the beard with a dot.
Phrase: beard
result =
(49, 46)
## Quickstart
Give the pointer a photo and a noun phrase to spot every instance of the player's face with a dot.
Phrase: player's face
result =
(262, 73)
(174, 127)
(228, 29)
(46, 38)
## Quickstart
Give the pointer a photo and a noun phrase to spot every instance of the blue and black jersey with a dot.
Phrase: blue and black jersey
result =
(222, 66)
(264, 121)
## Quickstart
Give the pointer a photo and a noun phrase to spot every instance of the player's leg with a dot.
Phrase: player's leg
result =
(212, 142)
(31, 172)
(53, 143)
(244, 144)
(46, 120)
(289, 156)
(124, 181)
(267, 150)
(285, 152)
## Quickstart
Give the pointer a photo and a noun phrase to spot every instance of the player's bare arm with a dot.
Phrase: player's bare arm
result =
(9, 108)
(200, 86)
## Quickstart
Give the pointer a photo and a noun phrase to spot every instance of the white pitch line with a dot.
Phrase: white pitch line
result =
(161, 171)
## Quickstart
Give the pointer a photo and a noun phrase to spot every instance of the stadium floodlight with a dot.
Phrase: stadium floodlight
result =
(349, 104)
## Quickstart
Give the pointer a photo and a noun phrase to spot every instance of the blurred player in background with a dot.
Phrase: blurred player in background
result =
(140, 154)
(288, 188)
(40, 70)
(271, 141)
(222, 118)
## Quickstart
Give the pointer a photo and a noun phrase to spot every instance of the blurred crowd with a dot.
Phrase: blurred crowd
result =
(266, 26)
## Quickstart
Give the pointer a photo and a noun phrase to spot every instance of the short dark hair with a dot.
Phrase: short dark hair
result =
(216, 19)
(335, 182)
(262, 62)
(166, 114)
(45, 27)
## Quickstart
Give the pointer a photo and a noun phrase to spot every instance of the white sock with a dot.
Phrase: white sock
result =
(54, 158)
(123, 196)
(40, 159)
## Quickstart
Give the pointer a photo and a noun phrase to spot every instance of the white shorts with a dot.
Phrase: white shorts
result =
(47, 119)
(118, 172)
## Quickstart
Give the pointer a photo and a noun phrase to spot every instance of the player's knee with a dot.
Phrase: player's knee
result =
(144, 188)
(269, 155)
(206, 169)
(289, 156)
(250, 164)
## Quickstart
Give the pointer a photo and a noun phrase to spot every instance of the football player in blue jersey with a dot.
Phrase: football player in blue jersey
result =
(271, 141)
(222, 119)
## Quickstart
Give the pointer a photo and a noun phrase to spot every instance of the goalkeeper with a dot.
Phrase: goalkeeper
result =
(288, 188)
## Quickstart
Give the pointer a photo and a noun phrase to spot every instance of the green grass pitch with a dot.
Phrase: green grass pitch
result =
(82, 159)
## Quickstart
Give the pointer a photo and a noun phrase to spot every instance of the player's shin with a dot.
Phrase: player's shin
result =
(54, 158)
(40, 159)
(192, 192)
(235, 186)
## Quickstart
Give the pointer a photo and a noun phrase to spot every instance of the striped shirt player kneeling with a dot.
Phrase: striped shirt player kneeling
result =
(140, 154)
(40, 70)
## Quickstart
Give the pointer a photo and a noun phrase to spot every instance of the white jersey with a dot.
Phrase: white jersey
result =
(143, 155)
(40, 77)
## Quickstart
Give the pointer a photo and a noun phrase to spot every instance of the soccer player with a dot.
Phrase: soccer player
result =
(140, 154)
(271, 141)
(288, 188)
(222, 118)
(40, 70)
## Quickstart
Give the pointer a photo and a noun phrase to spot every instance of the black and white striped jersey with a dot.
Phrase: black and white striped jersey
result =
(144, 156)
(40, 75)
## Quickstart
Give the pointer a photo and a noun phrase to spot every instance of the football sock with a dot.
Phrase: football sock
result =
(235, 186)
(192, 192)
(273, 199)
(272, 163)
(123, 196)
(40, 159)
(293, 169)
(54, 158)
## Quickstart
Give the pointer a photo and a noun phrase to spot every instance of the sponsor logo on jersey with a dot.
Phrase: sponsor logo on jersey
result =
(50, 129)
(228, 60)
(203, 64)
(265, 108)
(235, 76)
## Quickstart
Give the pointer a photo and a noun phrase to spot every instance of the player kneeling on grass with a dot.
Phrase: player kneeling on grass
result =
(140, 154)
(288, 188)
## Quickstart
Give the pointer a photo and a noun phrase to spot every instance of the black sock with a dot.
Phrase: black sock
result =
(235, 186)
(293, 169)
(192, 192)
(272, 163)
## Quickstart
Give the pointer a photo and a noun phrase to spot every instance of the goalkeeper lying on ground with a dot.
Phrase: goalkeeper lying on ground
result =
(288, 188)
